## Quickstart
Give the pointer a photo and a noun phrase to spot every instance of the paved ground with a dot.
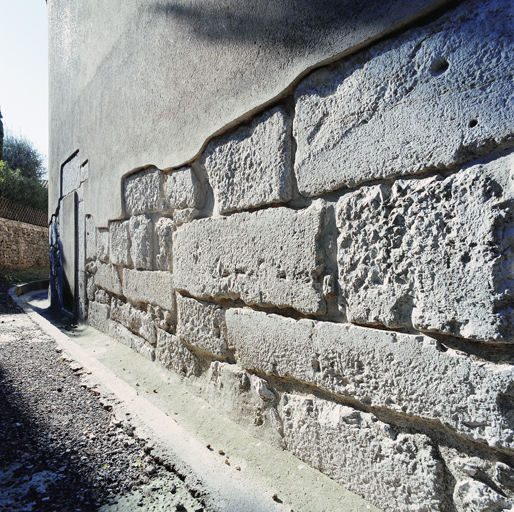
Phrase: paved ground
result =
(61, 447)
(88, 424)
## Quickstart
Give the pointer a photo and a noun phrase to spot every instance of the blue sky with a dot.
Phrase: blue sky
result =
(24, 69)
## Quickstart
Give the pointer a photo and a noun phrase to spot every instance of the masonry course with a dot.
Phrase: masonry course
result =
(367, 330)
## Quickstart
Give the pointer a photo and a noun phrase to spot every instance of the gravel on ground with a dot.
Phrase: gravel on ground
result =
(62, 446)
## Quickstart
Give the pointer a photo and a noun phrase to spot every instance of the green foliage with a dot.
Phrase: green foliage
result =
(21, 154)
(21, 189)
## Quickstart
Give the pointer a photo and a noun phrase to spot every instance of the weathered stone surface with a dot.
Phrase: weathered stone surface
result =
(98, 316)
(91, 288)
(120, 242)
(123, 335)
(202, 325)
(172, 353)
(102, 297)
(164, 233)
(436, 254)
(102, 244)
(475, 496)
(141, 243)
(152, 287)
(431, 99)
(395, 471)
(135, 319)
(184, 216)
(251, 166)
(182, 189)
(70, 176)
(107, 277)
(406, 373)
(270, 258)
(143, 192)
(90, 238)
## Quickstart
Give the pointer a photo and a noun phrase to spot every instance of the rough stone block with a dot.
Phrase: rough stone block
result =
(123, 335)
(405, 373)
(102, 244)
(172, 353)
(202, 325)
(184, 216)
(164, 233)
(182, 189)
(143, 192)
(70, 176)
(431, 99)
(252, 165)
(474, 496)
(141, 243)
(395, 471)
(436, 254)
(90, 238)
(98, 316)
(119, 240)
(135, 319)
(107, 277)
(270, 258)
(91, 288)
(152, 287)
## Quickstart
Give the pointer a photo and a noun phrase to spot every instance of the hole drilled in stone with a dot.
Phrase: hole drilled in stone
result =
(473, 123)
(439, 66)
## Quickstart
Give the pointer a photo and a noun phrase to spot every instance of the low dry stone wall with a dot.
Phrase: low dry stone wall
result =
(22, 245)
(337, 274)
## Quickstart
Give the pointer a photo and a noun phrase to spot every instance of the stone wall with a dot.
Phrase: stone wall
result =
(337, 273)
(22, 245)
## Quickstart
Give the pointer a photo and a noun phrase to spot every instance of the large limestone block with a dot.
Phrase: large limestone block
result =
(270, 258)
(141, 241)
(135, 319)
(123, 335)
(102, 245)
(182, 189)
(431, 99)
(152, 287)
(252, 165)
(395, 471)
(119, 241)
(144, 192)
(202, 325)
(405, 373)
(173, 354)
(107, 277)
(164, 234)
(98, 316)
(436, 254)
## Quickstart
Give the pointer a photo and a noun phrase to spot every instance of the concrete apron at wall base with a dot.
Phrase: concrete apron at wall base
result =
(181, 425)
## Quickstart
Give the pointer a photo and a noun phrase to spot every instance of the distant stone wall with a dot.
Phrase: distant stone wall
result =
(337, 274)
(22, 245)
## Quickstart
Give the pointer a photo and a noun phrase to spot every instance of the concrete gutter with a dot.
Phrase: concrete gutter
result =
(180, 425)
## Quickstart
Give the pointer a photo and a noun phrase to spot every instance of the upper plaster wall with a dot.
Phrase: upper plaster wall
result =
(138, 83)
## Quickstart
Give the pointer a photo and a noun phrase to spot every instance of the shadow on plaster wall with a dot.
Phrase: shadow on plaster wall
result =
(286, 24)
